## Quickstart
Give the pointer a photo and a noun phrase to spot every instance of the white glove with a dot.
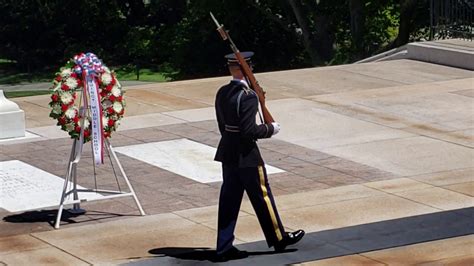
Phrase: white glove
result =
(276, 128)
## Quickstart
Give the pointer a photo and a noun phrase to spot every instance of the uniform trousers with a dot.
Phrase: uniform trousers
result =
(254, 181)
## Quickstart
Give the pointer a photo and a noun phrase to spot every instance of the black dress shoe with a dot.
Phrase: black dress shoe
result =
(232, 254)
(289, 239)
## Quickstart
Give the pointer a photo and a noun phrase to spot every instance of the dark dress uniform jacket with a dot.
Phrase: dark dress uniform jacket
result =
(236, 109)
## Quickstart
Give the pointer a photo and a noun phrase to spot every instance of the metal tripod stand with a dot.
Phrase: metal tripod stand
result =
(70, 182)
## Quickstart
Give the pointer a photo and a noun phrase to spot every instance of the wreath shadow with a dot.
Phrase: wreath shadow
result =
(49, 216)
(41, 216)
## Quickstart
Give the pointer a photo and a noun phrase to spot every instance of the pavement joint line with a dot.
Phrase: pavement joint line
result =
(177, 96)
(56, 247)
(33, 103)
(367, 142)
(441, 172)
(428, 204)
(445, 140)
(370, 258)
(416, 135)
(396, 195)
(341, 172)
(332, 202)
(414, 125)
(444, 187)
(362, 74)
(441, 186)
(175, 117)
(352, 108)
(406, 121)
(315, 163)
(189, 219)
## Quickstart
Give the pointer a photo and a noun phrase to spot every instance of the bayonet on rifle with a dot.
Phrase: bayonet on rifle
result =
(267, 117)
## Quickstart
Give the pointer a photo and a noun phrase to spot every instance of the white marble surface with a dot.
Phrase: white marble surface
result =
(408, 156)
(452, 111)
(194, 115)
(304, 124)
(27, 136)
(183, 157)
(12, 119)
(24, 187)
(147, 120)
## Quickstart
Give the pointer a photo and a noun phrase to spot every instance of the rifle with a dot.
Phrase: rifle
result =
(267, 117)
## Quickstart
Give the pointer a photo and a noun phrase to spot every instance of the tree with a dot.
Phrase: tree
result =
(414, 14)
(308, 36)
(180, 36)
(357, 11)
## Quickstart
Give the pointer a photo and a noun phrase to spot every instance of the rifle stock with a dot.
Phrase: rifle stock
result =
(253, 83)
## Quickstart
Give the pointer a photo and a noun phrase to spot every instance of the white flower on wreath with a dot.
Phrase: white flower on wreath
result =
(66, 72)
(66, 97)
(116, 91)
(70, 126)
(71, 83)
(57, 109)
(105, 121)
(86, 123)
(106, 78)
(117, 107)
(71, 112)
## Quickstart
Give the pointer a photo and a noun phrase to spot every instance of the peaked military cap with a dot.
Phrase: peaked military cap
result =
(232, 59)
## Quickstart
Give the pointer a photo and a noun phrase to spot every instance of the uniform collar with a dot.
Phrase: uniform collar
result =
(244, 82)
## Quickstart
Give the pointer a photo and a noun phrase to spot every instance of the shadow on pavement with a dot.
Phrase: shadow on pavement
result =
(42, 216)
(201, 254)
(336, 242)
(49, 216)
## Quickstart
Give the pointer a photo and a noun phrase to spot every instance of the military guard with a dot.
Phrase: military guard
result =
(242, 165)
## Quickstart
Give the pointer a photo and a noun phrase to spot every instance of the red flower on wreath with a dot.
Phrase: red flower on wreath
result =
(111, 123)
(67, 83)
(65, 87)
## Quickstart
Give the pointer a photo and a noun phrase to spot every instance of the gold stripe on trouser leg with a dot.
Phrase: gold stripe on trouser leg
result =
(269, 204)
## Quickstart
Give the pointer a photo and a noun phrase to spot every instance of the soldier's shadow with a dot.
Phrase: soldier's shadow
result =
(201, 254)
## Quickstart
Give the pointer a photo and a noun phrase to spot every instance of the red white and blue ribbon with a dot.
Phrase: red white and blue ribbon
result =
(89, 66)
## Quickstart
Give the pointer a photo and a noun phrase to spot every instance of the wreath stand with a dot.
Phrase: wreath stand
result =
(71, 179)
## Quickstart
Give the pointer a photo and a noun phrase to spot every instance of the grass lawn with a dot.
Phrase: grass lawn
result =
(146, 74)
(15, 94)
(10, 75)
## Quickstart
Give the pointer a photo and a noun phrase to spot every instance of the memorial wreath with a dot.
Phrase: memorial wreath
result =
(73, 78)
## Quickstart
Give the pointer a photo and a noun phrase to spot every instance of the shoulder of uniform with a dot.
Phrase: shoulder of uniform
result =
(248, 93)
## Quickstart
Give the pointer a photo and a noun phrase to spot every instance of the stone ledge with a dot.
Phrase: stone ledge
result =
(443, 53)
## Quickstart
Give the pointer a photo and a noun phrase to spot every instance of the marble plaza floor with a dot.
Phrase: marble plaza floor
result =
(375, 161)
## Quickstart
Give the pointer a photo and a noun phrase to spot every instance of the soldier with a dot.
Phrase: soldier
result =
(243, 167)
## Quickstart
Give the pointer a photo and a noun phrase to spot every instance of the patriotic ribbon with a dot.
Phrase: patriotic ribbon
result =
(89, 66)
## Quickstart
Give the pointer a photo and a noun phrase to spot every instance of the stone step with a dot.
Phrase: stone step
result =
(455, 53)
